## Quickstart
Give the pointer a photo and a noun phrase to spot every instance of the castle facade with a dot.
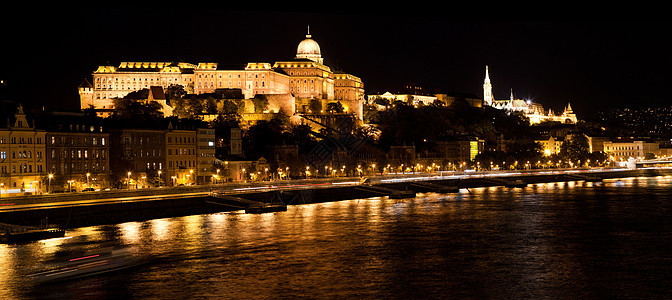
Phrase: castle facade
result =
(303, 78)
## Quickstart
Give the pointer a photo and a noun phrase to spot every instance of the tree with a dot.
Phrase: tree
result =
(229, 107)
(382, 102)
(260, 103)
(174, 92)
(335, 108)
(210, 105)
(524, 150)
(138, 95)
(187, 108)
(576, 149)
(315, 106)
(131, 108)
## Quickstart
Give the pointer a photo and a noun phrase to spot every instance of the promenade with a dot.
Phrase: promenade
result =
(88, 208)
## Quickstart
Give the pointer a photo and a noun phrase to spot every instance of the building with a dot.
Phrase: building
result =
(624, 149)
(154, 153)
(534, 111)
(550, 145)
(181, 157)
(77, 151)
(138, 153)
(390, 98)
(22, 161)
(459, 150)
(305, 78)
(205, 150)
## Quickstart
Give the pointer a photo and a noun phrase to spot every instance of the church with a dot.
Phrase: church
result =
(534, 111)
(290, 85)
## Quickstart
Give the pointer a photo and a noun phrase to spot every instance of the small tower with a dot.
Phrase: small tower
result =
(20, 120)
(85, 94)
(569, 115)
(487, 89)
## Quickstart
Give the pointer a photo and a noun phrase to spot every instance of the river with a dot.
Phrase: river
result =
(564, 240)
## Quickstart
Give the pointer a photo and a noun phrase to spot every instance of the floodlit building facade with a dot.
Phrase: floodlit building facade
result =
(305, 77)
(534, 111)
(623, 150)
(22, 162)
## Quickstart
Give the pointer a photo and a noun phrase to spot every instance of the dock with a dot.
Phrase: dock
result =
(384, 191)
(12, 233)
(250, 206)
(515, 183)
(433, 187)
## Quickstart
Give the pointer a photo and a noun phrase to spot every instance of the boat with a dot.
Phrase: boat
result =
(516, 184)
(90, 263)
(31, 235)
(265, 208)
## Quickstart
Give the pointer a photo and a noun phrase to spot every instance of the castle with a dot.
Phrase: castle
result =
(534, 111)
(290, 85)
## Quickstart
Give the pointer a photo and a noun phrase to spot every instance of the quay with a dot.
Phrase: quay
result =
(111, 207)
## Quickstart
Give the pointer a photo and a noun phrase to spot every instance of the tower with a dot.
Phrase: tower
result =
(85, 94)
(487, 89)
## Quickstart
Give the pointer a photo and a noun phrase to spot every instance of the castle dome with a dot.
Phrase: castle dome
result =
(309, 48)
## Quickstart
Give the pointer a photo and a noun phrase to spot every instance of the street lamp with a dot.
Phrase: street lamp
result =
(160, 179)
(128, 180)
(49, 184)
(87, 180)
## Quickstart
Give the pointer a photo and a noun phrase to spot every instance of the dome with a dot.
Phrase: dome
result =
(308, 48)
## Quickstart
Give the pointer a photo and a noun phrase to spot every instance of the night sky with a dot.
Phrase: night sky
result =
(593, 65)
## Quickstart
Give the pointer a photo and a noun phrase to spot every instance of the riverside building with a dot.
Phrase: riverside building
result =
(22, 149)
(77, 152)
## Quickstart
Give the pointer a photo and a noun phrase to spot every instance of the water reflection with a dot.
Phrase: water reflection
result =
(601, 239)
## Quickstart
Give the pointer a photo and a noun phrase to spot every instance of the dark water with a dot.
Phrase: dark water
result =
(558, 240)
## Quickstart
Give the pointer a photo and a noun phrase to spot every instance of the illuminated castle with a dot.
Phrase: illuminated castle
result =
(294, 83)
(534, 111)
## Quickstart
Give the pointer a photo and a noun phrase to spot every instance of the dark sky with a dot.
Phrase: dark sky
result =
(588, 63)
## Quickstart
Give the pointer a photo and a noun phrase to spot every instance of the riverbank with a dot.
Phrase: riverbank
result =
(71, 211)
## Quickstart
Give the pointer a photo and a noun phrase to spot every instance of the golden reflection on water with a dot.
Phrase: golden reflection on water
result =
(518, 234)
(7, 270)
(160, 229)
(130, 232)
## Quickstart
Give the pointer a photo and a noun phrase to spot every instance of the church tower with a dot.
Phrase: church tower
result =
(487, 89)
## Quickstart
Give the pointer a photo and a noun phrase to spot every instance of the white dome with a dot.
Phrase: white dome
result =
(309, 49)
(308, 46)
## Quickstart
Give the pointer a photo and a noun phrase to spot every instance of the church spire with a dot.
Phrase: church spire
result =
(487, 89)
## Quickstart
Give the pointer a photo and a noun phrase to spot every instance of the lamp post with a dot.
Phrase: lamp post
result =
(87, 180)
(128, 180)
(160, 179)
(49, 184)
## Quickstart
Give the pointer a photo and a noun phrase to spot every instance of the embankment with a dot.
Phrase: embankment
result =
(200, 201)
